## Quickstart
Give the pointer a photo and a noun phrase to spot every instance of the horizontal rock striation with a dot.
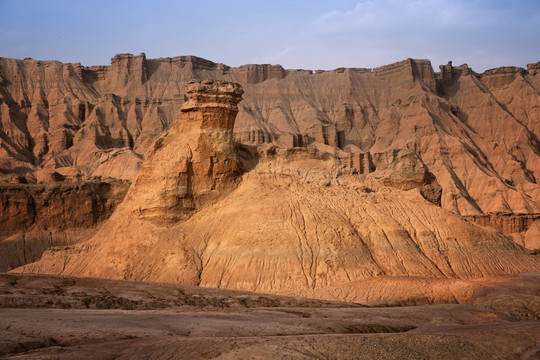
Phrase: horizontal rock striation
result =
(195, 161)
(476, 133)
(35, 217)
(524, 228)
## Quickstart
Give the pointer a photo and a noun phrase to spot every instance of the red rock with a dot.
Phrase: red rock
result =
(515, 225)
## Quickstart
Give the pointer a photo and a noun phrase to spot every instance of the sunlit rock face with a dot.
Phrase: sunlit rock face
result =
(476, 133)
(313, 181)
(194, 162)
(203, 211)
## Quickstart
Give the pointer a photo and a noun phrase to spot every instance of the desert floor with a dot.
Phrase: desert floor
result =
(44, 317)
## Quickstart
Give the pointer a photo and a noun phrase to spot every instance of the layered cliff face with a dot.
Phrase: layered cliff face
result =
(524, 228)
(476, 133)
(296, 220)
(35, 217)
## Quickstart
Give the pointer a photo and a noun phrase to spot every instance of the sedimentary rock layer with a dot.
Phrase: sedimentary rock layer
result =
(476, 133)
(35, 217)
(524, 228)
(195, 162)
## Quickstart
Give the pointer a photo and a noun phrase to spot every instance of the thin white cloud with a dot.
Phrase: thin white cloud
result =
(322, 34)
(485, 33)
(415, 14)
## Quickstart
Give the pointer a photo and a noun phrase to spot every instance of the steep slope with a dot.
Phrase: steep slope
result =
(477, 133)
(195, 162)
(296, 219)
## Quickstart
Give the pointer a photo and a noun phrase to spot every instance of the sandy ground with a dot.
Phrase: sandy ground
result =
(48, 317)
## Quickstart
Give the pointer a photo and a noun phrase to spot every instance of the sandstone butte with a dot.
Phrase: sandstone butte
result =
(311, 220)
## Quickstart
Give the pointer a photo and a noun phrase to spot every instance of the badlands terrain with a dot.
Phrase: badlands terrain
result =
(334, 196)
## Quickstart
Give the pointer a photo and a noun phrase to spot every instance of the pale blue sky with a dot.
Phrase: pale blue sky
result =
(296, 34)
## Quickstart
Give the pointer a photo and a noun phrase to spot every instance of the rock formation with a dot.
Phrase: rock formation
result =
(35, 217)
(193, 163)
(476, 133)
(523, 228)
(387, 186)
(296, 220)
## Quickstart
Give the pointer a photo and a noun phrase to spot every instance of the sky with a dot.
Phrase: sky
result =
(301, 34)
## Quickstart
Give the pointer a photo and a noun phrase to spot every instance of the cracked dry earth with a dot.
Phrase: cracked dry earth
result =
(44, 317)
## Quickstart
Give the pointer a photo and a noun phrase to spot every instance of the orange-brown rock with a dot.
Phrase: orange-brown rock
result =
(330, 192)
(476, 133)
(531, 238)
(35, 217)
(280, 231)
(194, 163)
(403, 169)
(521, 227)
(296, 220)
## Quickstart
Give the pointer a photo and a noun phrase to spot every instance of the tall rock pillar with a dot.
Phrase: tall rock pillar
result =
(194, 163)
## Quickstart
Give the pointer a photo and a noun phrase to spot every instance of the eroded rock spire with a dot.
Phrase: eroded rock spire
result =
(194, 163)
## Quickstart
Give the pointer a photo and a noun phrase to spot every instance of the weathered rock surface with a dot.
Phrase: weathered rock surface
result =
(297, 220)
(532, 236)
(194, 163)
(523, 228)
(403, 169)
(516, 295)
(329, 193)
(476, 133)
(35, 217)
